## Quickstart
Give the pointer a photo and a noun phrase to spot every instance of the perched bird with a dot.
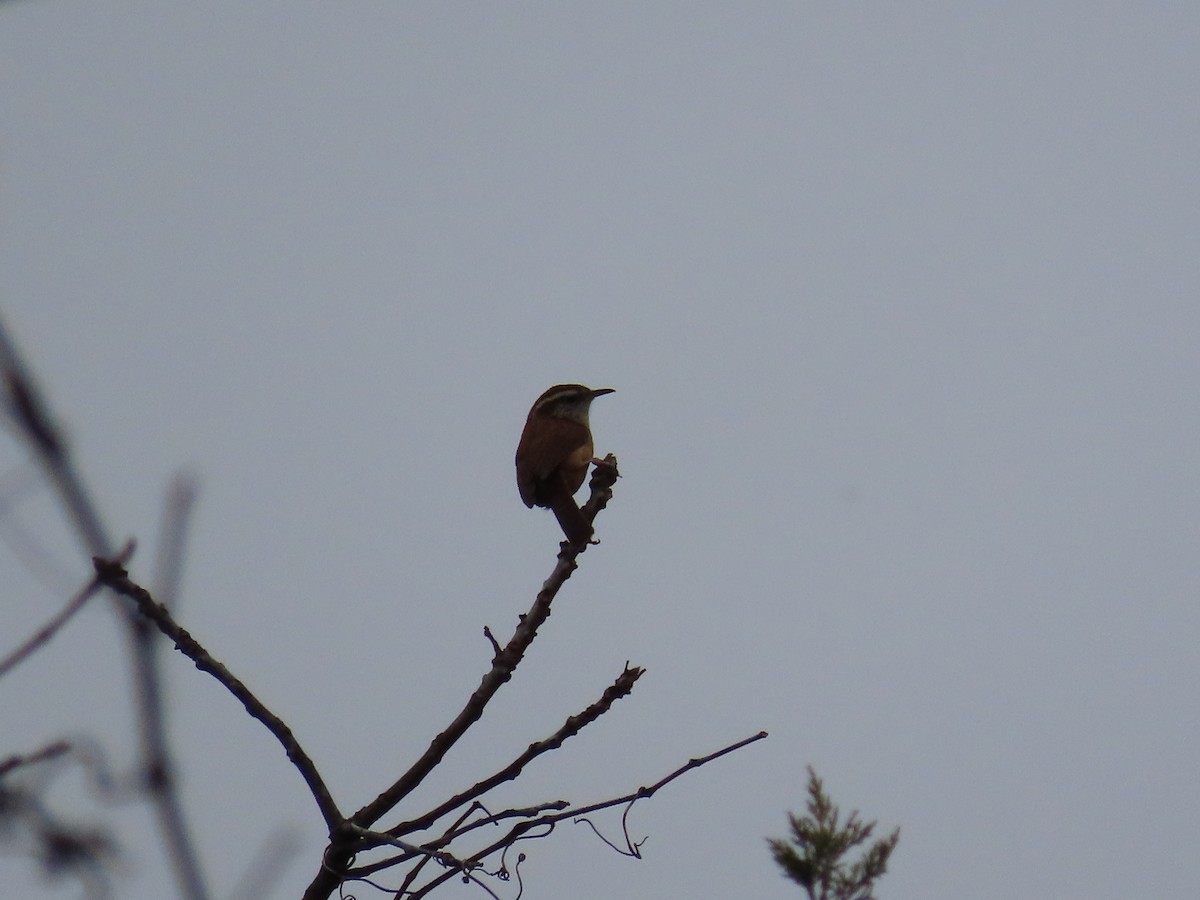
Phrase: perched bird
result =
(554, 454)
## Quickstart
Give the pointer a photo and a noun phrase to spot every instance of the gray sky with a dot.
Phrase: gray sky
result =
(900, 305)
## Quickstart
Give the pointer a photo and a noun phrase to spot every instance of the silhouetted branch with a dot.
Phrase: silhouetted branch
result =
(415, 871)
(647, 792)
(172, 538)
(521, 829)
(157, 761)
(487, 633)
(51, 628)
(342, 844)
(503, 665)
(30, 551)
(50, 751)
(53, 452)
(574, 724)
(114, 576)
(37, 425)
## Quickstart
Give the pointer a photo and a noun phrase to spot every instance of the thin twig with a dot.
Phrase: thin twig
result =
(487, 633)
(27, 546)
(172, 537)
(157, 761)
(632, 848)
(50, 751)
(453, 832)
(415, 871)
(51, 628)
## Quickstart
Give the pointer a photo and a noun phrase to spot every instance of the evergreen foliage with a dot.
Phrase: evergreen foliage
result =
(813, 858)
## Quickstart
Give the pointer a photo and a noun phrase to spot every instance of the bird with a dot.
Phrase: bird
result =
(554, 453)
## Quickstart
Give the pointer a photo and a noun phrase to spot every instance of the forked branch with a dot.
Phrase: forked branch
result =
(548, 820)
(503, 665)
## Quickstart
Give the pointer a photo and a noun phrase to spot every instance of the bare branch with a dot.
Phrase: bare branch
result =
(172, 537)
(53, 452)
(157, 762)
(574, 724)
(696, 762)
(57, 576)
(415, 870)
(115, 577)
(520, 830)
(487, 633)
(50, 751)
(378, 838)
(51, 628)
(618, 689)
(503, 666)
(504, 663)
(39, 429)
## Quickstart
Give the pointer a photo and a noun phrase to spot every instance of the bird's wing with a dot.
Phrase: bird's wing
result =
(556, 439)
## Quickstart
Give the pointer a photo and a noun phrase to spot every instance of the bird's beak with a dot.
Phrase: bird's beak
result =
(601, 391)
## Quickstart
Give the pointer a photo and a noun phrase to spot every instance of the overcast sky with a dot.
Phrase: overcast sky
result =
(900, 303)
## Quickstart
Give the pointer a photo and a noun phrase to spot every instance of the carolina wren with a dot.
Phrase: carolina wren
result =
(554, 454)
